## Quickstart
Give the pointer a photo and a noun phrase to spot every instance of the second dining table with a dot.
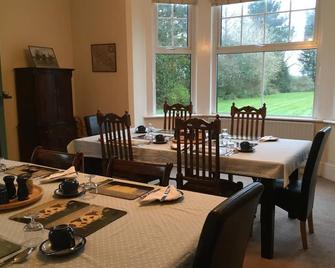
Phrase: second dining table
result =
(269, 161)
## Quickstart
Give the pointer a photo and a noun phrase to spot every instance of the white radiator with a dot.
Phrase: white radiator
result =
(290, 130)
(283, 129)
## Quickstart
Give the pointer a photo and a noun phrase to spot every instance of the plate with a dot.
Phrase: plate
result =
(59, 193)
(32, 198)
(159, 142)
(245, 151)
(268, 138)
(45, 247)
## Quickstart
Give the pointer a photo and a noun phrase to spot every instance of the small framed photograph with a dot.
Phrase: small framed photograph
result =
(43, 57)
(103, 57)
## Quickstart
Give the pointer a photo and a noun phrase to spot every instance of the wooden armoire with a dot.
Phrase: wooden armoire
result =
(45, 110)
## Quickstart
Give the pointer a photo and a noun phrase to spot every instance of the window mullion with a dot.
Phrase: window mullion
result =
(263, 76)
(289, 21)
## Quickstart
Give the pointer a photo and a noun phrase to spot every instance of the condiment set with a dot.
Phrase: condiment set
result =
(9, 191)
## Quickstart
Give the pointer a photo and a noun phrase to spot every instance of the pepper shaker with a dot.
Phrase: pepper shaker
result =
(11, 190)
(22, 188)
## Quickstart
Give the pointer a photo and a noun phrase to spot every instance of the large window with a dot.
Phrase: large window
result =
(267, 53)
(172, 55)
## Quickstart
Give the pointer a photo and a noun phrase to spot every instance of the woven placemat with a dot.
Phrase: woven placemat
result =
(123, 190)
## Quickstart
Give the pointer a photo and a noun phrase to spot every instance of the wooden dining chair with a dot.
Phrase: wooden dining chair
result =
(198, 158)
(55, 159)
(139, 171)
(247, 122)
(91, 124)
(115, 138)
(298, 198)
(225, 234)
(174, 110)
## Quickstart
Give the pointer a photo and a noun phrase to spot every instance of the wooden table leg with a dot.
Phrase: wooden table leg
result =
(267, 218)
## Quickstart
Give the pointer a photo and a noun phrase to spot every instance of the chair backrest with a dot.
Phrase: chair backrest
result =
(198, 152)
(247, 122)
(91, 123)
(115, 138)
(311, 168)
(55, 159)
(176, 110)
(140, 171)
(226, 231)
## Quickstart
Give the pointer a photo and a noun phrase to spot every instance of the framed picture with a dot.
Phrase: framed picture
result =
(103, 57)
(43, 57)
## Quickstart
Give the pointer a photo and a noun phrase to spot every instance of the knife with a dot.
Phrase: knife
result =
(165, 194)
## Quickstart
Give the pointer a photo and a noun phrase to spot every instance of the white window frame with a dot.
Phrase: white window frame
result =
(173, 51)
(289, 46)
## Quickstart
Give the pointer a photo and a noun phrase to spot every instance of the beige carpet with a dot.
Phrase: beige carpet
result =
(288, 250)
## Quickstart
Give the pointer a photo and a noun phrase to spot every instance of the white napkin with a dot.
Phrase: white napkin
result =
(168, 193)
(58, 175)
(268, 138)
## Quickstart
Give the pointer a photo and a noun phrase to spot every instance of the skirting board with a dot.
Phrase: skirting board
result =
(327, 171)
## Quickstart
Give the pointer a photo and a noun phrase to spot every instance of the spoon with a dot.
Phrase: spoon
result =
(20, 257)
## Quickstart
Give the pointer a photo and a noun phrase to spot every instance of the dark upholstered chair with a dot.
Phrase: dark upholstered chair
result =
(298, 198)
(55, 159)
(140, 171)
(174, 110)
(198, 169)
(115, 137)
(226, 231)
(91, 124)
(247, 122)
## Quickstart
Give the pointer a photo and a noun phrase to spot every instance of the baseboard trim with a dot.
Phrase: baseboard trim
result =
(327, 171)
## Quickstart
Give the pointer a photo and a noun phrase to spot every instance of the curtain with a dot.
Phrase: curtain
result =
(190, 2)
(225, 2)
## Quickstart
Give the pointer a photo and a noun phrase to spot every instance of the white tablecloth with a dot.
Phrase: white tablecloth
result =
(158, 235)
(270, 160)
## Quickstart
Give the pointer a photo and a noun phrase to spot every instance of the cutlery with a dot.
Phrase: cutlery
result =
(230, 153)
(165, 194)
(148, 193)
(20, 257)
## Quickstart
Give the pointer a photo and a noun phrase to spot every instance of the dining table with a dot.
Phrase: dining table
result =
(270, 160)
(158, 234)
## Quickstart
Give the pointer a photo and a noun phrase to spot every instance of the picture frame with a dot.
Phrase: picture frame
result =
(103, 57)
(43, 57)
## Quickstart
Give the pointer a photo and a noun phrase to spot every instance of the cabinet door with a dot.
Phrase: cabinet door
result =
(45, 97)
(64, 96)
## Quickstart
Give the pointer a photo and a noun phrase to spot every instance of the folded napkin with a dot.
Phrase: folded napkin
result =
(168, 193)
(59, 175)
(268, 138)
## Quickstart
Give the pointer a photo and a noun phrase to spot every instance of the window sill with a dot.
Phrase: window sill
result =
(269, 118)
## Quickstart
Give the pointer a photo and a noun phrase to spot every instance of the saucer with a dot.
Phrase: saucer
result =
(245, 151)
(45, 247)
(159, 142)
(59, 193)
